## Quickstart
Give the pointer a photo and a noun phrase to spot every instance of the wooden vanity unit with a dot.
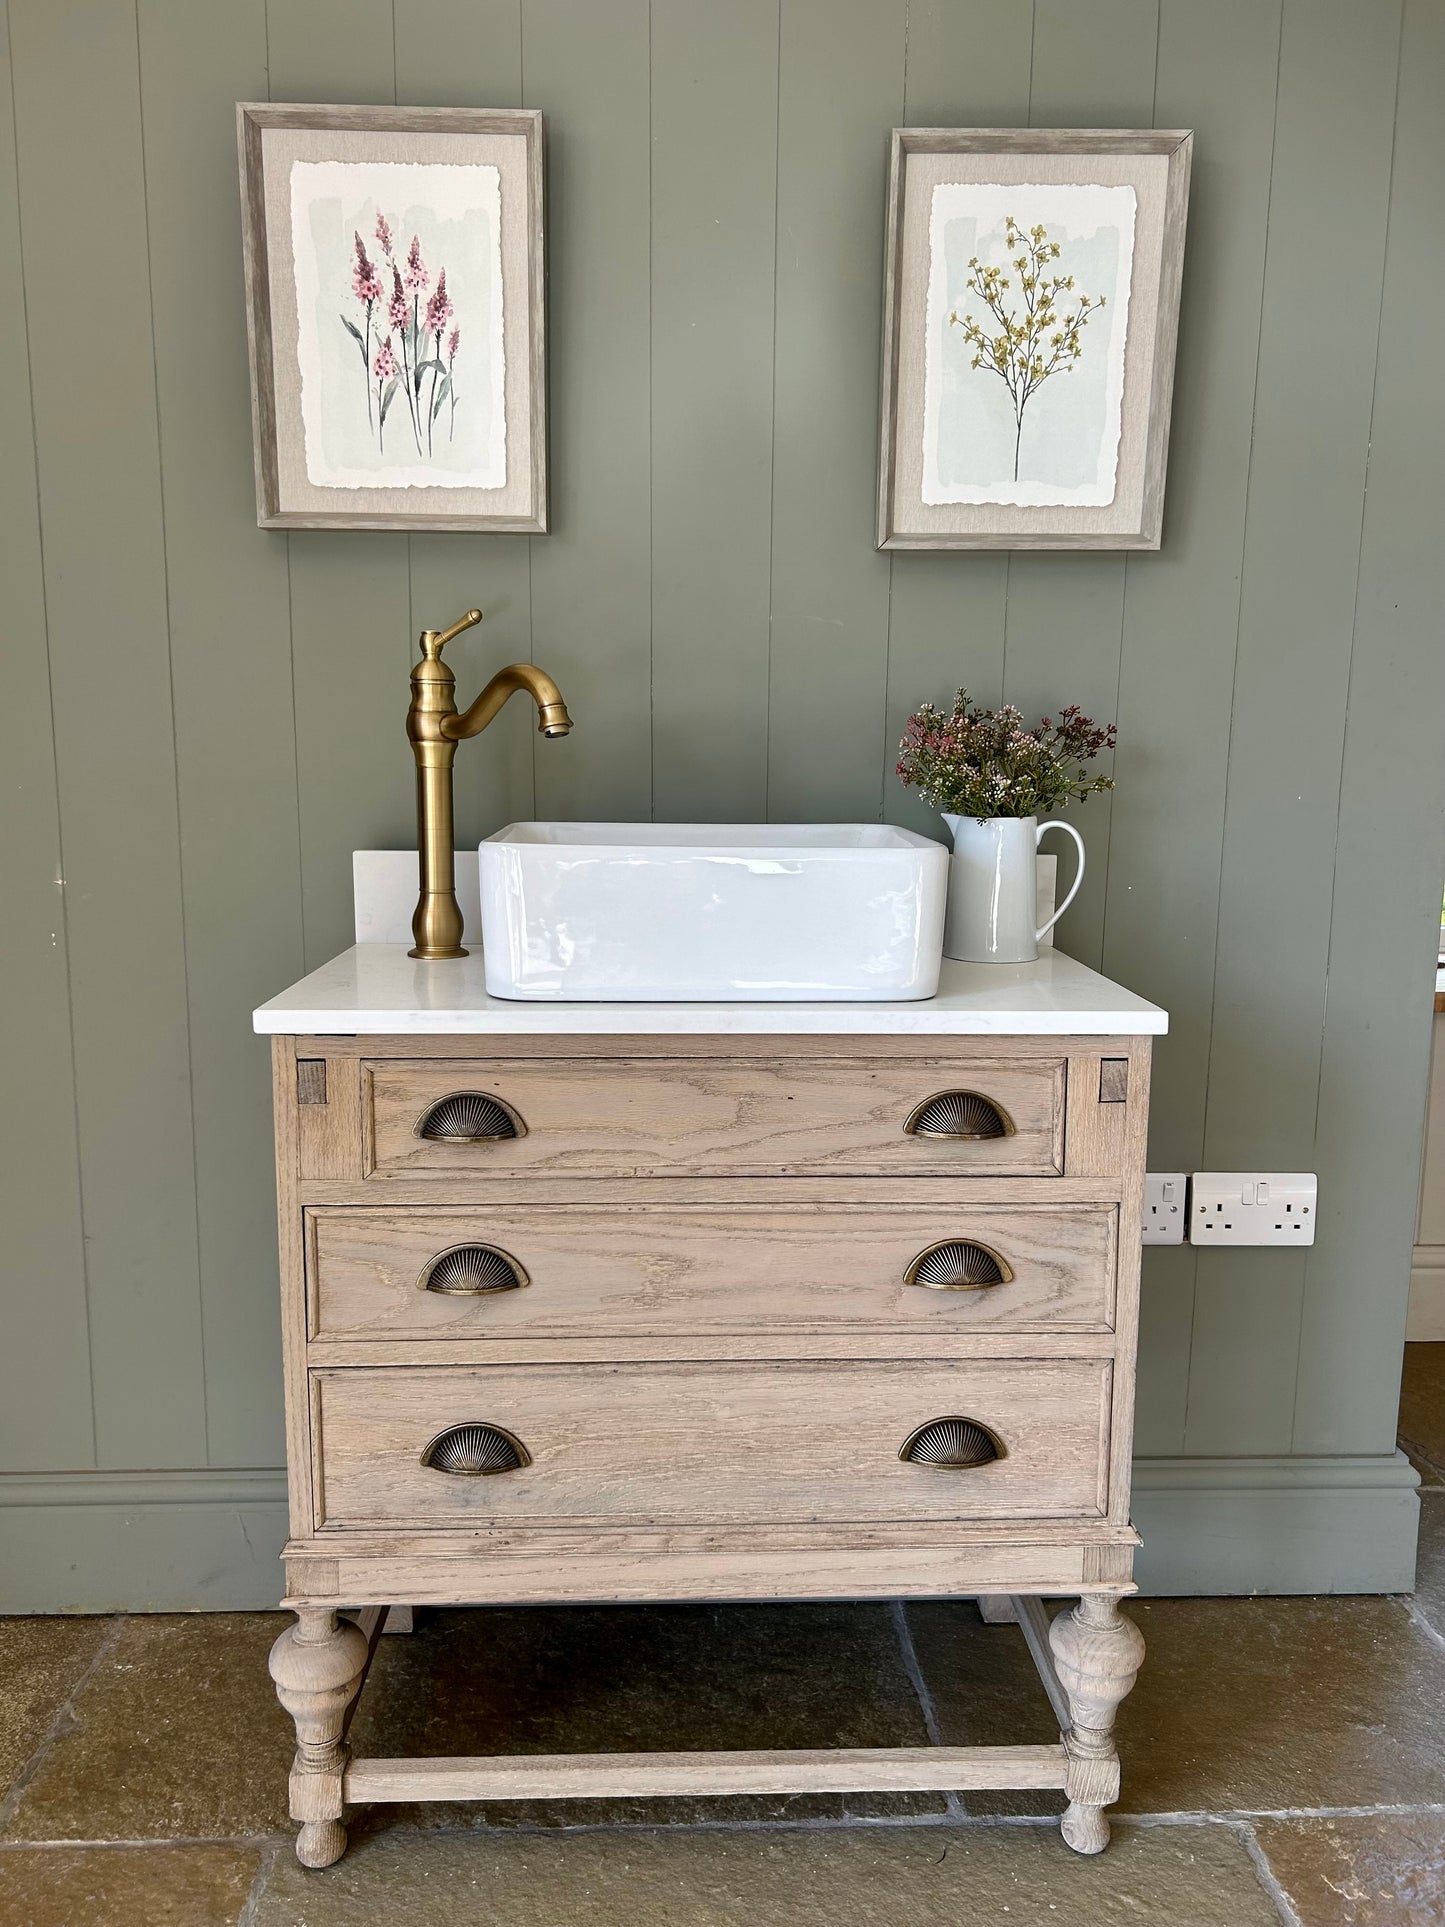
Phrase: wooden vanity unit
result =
(673, 1302)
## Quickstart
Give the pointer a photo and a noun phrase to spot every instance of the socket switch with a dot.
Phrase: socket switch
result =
(1252, 1208)
(1165, 1207)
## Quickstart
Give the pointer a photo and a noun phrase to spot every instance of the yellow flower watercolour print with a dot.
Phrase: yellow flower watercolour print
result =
(1027, 316)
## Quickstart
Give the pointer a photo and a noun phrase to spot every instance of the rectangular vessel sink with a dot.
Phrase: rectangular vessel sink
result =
(712, 913)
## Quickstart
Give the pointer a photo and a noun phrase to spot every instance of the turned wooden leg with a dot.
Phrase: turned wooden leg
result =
(1097, 1655)
(318, 1666)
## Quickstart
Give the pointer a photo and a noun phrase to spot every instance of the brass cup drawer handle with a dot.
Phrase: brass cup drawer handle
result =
(952, 1444)
(965, 1116)
(472, 1271)
(469, 1117)
(958, 1264)
(475, 1451)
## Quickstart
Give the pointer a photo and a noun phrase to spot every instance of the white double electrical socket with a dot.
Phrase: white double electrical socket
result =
(1252, 1208)
(1165, 1207)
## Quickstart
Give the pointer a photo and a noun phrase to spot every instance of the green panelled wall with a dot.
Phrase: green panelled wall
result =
(202, 720)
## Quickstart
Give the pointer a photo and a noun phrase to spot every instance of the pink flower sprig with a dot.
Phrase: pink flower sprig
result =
(383, 235)
(453, 344)
(385, 363)
(416, 276)
(983, 762)
(364, 281)
(439, 307)
(397, 311)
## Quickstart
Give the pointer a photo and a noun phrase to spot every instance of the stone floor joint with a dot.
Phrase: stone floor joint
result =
(908, 1653)
(1267, 1877)
(63, 1720)
(271, 1852)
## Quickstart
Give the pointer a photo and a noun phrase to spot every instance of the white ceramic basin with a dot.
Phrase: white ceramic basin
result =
(714, 913)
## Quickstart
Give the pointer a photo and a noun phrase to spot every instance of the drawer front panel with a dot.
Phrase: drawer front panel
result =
(689, 1116)
(709, 1443)
(517, 1271)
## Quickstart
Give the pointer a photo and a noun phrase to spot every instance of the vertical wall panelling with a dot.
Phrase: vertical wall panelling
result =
(840, 89)
(45, 1417)
(587, 68)
(231, 676)
(1333, 137)
(351, 612)
(968, 66)
(714, 186)
(1092, 67)
(228, 702)
(448, 53)
(1391, 853)
(1217, 74)
(93, 373)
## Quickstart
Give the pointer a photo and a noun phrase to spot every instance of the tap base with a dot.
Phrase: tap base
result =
(432, 955)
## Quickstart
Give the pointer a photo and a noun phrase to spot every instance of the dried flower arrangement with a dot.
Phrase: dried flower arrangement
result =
(425, 372)
(984, 763)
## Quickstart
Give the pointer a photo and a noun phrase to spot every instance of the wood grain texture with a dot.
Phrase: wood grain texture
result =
(46, 1418)
(701, 1443)
(582, 1776)
(690, 1270)
(920, 1568)
(630, 1119)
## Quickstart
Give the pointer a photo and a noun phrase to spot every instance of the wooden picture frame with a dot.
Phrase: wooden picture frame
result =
(970, 341)
(396, 315)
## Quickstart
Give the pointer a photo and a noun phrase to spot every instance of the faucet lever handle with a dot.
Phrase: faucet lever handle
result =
(434, 641)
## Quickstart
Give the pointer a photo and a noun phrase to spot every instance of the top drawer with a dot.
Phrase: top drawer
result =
(474, 1117)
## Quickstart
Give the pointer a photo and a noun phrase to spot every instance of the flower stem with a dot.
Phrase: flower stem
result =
(366, 367)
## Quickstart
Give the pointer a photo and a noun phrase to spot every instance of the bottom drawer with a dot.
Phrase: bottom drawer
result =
(707, 1443)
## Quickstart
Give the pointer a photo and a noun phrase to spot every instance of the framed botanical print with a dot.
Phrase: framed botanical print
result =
(395, 290)
(1031, 304)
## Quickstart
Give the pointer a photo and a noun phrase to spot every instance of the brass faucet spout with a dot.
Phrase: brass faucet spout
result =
(434, 728)
(552, 717)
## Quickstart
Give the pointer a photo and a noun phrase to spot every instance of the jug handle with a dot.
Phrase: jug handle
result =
(1058, 823)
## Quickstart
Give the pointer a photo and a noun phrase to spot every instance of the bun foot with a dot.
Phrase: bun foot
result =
(1085, 1829)
(321, 1843)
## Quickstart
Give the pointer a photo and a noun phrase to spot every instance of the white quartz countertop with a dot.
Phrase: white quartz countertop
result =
(375, 989)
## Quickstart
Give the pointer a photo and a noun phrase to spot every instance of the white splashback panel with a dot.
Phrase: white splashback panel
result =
(384, 889)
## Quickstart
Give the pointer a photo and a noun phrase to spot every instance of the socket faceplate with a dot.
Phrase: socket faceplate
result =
(1165, 1207)
(1253, 1208)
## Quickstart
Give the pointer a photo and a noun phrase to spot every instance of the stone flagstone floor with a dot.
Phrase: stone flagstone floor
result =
(1284, 1766)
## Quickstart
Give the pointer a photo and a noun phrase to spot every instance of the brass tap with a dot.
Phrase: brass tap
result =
(434, 728)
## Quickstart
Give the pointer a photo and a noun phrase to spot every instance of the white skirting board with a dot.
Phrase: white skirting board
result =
(210, 1541)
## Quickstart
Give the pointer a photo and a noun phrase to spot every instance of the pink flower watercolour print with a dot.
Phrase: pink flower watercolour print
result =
(425, 379)
(392, 261)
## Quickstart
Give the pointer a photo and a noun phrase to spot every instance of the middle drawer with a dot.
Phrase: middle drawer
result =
(546, 1271)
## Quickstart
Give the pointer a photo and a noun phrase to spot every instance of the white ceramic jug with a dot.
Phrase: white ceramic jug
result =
(993, 888)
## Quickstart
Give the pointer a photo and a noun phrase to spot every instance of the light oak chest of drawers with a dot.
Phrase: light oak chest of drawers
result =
(686, 1317)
